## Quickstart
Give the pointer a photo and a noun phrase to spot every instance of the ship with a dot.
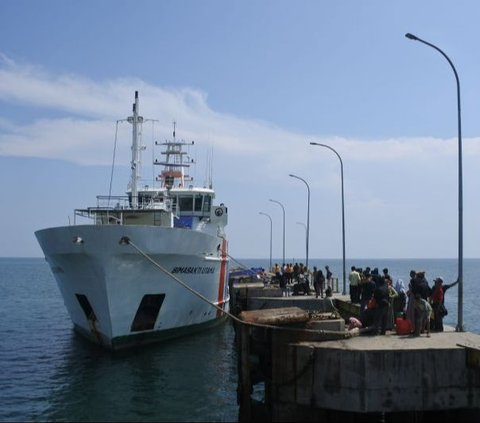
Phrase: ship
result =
(148, 265)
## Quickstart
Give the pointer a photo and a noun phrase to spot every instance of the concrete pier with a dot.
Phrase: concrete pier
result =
(377, 375)
(315, 370)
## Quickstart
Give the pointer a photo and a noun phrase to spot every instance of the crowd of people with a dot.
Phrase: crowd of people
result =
(298, 279)
(381, 301)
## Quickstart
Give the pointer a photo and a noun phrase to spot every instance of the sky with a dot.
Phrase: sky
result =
(252, 83)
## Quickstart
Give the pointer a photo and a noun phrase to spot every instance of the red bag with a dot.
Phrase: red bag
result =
(372, 303)
(403, 326)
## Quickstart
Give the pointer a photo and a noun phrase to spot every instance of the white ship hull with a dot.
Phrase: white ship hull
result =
(118, 298)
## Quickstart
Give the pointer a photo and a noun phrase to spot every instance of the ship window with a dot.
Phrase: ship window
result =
(86, 307)
(198, 203)
(207, 204)
(147, 312)
(144, 199)
(169, 180)
(186, 204)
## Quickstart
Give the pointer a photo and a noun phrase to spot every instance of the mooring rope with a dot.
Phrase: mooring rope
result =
(236, 261)
(128, 241)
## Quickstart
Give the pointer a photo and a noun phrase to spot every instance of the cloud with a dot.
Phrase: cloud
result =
(391, 184)
(89, 110)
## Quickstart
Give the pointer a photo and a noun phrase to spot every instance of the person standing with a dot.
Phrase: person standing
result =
(420, 285)
(423, 313)
(400, 302)
(410, 309)
(288, 273)
(296, 272)
(386, 275)
(438, 303)
(319, 283)
(368, 287)
(278, 273)
(328, 275)
(392, 295)
(354, 279)
(381, 313)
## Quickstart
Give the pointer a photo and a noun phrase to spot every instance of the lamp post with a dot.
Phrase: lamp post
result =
(343, 213)
(271, 225)
(283, 208)
(459, 327)
(308, 214)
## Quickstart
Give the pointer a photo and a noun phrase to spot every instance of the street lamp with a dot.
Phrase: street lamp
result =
(308, 214)
(271, 224)
(343, 213)
(459, 327)
(283, 208)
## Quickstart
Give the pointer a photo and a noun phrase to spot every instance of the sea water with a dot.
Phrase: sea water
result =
(49, 373)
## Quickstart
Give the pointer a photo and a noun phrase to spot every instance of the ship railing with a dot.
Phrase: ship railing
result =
(107, 211)
(124, 202)
(101, 216)
(110, 210)
(113, 201)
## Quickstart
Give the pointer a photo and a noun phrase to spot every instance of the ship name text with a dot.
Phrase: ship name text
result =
(197, 270)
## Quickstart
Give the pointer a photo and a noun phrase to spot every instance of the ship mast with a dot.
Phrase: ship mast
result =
(174, 163)
(136, 121)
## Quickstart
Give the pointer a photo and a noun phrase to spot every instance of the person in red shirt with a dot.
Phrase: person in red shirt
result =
(437, 299)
